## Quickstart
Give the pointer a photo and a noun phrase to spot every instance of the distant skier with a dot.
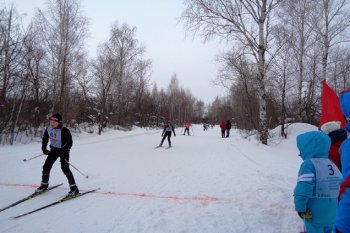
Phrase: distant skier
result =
(317, 188)
(205, 126)
(187, 128)
(228, 128)
(168, 128)
(223, 128)
(60, 144)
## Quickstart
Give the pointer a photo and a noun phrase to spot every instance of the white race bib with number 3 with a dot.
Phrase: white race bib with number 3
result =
(328, 178)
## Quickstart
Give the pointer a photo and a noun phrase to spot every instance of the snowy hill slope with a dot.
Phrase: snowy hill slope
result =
(203, 184)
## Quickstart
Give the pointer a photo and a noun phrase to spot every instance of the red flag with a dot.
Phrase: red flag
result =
(331, 110)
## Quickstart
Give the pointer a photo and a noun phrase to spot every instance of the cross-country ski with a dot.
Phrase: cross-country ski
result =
(67, 198)
(35, 194)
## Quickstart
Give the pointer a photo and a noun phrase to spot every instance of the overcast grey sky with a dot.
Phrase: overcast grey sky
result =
(158, 29)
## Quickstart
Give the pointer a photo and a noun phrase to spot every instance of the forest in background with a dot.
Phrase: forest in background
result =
(278, 54)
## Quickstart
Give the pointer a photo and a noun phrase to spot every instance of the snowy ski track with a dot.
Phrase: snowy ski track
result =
(204, 183)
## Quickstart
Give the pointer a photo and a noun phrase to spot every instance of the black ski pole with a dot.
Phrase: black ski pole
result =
(25, 160)
(76, 169)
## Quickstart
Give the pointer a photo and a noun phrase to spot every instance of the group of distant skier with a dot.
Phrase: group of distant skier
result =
(168, 129)
(225, 127)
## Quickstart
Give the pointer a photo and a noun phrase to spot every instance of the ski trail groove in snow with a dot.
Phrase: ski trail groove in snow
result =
(246, 156)
(115, 138)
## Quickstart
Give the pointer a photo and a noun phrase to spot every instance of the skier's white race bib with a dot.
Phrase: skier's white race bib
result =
(328, 178)
(55, 137)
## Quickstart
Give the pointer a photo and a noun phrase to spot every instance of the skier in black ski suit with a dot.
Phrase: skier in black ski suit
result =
(60, 144)
(167, 133)
(228, 128)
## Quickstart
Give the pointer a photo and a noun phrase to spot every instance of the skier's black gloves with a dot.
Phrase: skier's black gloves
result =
(305, 215)
(46, 152)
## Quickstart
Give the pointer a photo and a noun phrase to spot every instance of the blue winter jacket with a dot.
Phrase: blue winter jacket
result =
(344, 99)
(313, 145)
(343, 216)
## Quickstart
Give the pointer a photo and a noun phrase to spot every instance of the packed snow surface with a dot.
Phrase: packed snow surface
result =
(204, 183)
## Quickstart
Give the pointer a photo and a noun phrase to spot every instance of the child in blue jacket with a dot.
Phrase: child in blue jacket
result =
(316, 192)
(342, 223)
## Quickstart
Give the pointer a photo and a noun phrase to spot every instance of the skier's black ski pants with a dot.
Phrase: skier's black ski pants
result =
(223, 133)
(187, 130)
(51, 159)
(166, 134)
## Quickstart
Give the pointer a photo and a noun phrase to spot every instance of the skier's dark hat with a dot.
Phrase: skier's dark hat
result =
(56, 117)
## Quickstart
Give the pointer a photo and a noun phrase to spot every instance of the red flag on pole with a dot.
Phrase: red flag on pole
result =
(330, 110)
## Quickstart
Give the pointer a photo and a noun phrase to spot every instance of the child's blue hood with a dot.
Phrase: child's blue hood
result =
(344, 99)
(313, 144)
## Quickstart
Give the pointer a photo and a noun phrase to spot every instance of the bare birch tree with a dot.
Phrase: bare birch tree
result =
(12, 85)
(64, 30)
(298, 34)
(283, 72)
(122, 74)
(245, 22)
(330, 19)
(240, 73)
(10, 50)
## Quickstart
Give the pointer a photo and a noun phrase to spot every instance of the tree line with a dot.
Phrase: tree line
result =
(278, 53)
(44, 68)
